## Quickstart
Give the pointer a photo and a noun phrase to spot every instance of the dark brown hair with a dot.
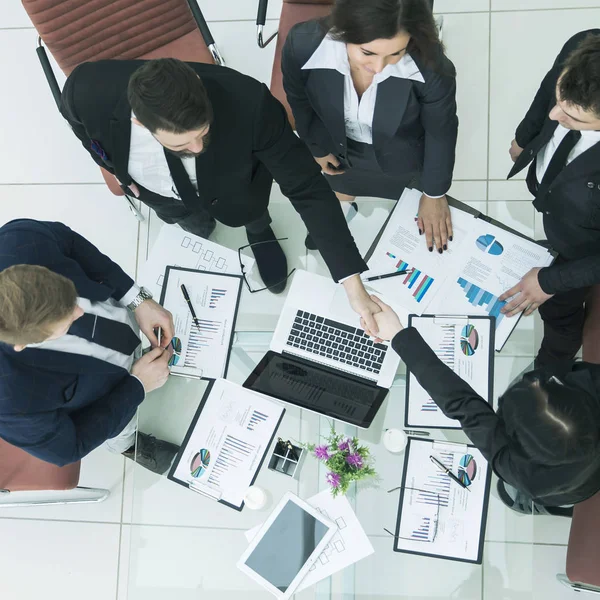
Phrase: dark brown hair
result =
(362, 21)
(167, 94)
(580, 81)
(32, 300)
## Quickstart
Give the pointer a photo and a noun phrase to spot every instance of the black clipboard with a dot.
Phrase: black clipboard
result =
(478, 215)
(484, 511)
(467, 320)
(170, 268)
(182, 448)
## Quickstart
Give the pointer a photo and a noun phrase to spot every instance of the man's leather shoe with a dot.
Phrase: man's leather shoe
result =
(270, 259)
(152, 454)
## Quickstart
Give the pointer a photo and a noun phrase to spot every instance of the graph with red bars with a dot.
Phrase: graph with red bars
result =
(416, 281)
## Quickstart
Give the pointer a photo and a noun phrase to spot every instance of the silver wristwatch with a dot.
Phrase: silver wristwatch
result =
(143, 294)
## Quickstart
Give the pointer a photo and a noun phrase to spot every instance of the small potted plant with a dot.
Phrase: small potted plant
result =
(346, 459)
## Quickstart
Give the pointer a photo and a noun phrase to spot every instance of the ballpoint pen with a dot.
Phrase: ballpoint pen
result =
(413, 432)
(448, 472)
(189, 303)
(376, 277)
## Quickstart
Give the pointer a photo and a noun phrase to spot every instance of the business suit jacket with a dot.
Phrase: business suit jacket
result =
(414, 125)
(550, 482)
(55, 405)
(571, 208)
(249, 127)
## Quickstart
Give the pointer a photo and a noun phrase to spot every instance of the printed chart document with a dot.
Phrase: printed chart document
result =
(178, 248)
(436, 516)
(226, 443)
(349, 545)
(466, 345)
(202, 348)
(482, 263)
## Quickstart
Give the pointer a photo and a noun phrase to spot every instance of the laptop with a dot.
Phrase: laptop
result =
(320, 358)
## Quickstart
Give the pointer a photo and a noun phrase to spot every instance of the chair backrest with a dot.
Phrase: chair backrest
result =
(19, 471)
(77, 31)
(292, 12)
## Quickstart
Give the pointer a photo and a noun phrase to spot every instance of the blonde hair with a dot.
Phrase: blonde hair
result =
(32, 300)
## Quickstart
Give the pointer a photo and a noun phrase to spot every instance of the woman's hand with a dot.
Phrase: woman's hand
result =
(361, 302)
(388, 323)
(329, 164)
(435, 222)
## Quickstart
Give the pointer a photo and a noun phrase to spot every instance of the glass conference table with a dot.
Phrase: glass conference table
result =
(178, 545)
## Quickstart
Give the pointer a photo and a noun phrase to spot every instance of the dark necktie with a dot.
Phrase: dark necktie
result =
(184, 186)
(105, 332)
(558, 161)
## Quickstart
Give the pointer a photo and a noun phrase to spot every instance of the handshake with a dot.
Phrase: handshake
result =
(388, 323)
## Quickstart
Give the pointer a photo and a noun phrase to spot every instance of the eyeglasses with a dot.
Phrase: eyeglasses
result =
(428, 528)
(243, 267)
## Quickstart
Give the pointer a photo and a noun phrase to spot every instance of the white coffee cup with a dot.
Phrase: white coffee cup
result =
(255, 498)
(394, 440)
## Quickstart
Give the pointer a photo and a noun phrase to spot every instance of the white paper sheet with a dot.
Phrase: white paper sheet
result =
(177, 247)
(228, 441)
(459, 530)
(465, 348)
(205, 348)
(349, 545)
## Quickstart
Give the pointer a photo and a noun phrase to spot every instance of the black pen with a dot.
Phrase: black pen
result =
(376, 277)
(189, 303)
(413, 432)
(448, 472)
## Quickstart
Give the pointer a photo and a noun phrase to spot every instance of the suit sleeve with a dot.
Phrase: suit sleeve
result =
(439, 119)
(576, 274)
(61, 439)
(307, 120)
(300, 179)
(457, 400)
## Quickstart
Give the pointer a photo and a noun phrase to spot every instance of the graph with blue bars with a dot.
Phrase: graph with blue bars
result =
(486, 300)
(437, 483)
(424, 531)
(256, 419)
(216, 295)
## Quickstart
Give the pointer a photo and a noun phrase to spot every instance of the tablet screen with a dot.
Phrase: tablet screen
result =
(286, 546)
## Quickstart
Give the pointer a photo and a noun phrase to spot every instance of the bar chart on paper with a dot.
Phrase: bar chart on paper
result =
(436, 484)
(216, 295)
(486, 300)
(445, 352)
(235, 454)
(201, 338)
(256, 418)
(416, 281)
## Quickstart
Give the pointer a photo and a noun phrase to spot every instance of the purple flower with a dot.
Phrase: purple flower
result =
(322, 453)
(355, 460)
(333, 479)
(343, 446)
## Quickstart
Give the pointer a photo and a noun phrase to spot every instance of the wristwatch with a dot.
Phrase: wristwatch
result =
(143, 294)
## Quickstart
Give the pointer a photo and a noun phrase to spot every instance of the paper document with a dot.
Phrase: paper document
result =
(463, 344)
(226, 444)
(205, 344)
(436, 516)
(177, 247)
(349, 545)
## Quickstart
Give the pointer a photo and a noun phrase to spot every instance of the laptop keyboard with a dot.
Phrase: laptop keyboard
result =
(338, 341)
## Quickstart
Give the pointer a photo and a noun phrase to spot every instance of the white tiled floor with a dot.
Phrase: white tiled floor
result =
(501, 49)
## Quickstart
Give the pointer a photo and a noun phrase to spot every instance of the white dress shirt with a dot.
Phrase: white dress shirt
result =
(358, 113)
(544, 156)
(148, 165)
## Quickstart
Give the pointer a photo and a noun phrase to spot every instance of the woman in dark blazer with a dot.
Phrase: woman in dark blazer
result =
(373, 96)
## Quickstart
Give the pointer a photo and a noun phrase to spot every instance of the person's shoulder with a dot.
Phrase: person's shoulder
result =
(306, 36)
(436, 66)
(574, 41)
(100, 71)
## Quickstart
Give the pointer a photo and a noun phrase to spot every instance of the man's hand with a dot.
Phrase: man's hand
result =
(387, 321)
(361, 302)
(329, 164)
(131, 186)
(435, 221)
(515, 150)
(153, 368)
(150, 315)
(529, 295)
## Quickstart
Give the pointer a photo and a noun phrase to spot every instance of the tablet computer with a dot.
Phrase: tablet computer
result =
(288, 543)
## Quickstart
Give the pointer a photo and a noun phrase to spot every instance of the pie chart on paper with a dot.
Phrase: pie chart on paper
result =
(200, 463)
(469, 340)
(489, 245)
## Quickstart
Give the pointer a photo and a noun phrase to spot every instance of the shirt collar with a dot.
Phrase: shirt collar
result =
(332, 54)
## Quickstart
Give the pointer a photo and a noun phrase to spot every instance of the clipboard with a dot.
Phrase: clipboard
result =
(441, 547)
(203, 461)
(469, 345)
(199, 372)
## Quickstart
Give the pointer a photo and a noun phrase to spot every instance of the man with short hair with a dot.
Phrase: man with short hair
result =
(69, 324)
(199, 143)
(559, 138)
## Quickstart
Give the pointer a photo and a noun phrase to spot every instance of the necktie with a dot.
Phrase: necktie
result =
(558, 161)
(182, 181)
(106, 332)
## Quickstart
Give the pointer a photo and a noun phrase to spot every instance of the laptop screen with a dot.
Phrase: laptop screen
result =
(317, 388)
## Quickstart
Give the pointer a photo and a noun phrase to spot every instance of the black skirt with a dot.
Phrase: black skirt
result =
(364, 176)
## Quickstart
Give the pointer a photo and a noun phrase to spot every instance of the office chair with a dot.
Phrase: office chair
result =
(76, 32)
(21, 472)
(583, 551)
